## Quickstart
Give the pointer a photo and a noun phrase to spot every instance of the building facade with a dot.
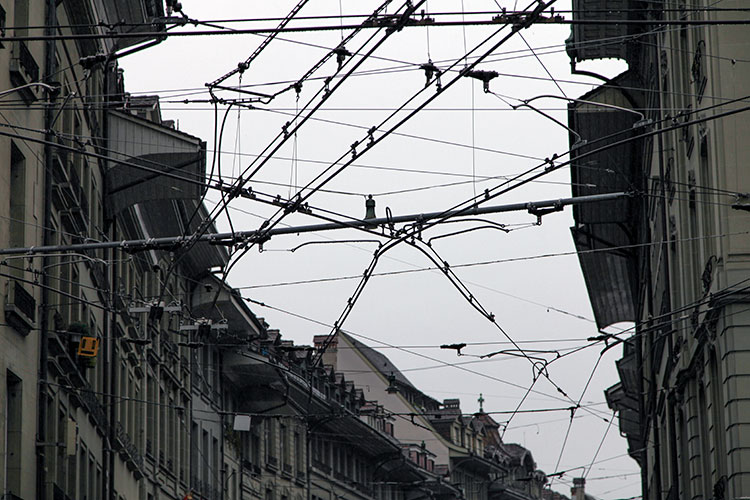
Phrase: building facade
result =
(131, 373)
(117, 364)
(673, 259)
(464, 451)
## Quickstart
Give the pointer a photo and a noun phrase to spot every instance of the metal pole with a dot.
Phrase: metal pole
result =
(261, 235)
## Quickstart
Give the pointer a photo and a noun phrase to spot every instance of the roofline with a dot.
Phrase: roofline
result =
(183, 135)
(426, 422)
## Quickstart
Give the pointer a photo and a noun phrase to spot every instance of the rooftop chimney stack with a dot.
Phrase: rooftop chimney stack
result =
(578, 491)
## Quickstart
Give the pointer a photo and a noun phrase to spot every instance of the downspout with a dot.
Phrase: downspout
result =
(308, 454)
(49, 71)
(110, 86)
(112, 370)
(107, 454)
(672, 423)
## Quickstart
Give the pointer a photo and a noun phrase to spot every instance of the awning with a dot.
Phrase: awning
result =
(608, 274)
(215, 300)
(603, 232)
(598, 40)
(165, 217)
(158, 150)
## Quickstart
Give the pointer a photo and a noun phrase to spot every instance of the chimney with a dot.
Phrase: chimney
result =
(578, 491)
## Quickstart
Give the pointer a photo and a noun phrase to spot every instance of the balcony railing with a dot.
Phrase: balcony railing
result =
(128, 451)
(95, 408)
(325, 469)
(27, 61)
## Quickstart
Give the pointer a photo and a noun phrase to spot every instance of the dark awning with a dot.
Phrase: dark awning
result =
(128, 185)
(165, 217)
(157, 150)
(608, 274)
(603, 232)
(610, 170)
(136, 17)
(598, 40)
(215, 300)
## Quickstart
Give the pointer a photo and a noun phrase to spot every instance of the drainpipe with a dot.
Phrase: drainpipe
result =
(107, 448)
(111, 317)
(49, 70)
(112, 370)
(308, 463)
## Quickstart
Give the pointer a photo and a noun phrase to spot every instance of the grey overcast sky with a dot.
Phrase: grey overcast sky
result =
(466, 140)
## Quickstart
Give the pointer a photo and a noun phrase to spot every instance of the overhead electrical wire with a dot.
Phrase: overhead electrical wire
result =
(371, 267)
(299, 119)
(373, 141)
(349, 332)
(336, 27)
(683, 9)
(280, 139)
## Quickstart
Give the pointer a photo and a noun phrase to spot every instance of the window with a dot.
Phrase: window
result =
(284, 438)
(82, 467)
(92, 478)
(64, 287)
(131, 427)
(203, 452)
(162, 424)
(150, 413)
(13, 421)
(17, 200)
(215, 463)
(270, 439)
(62, 426)
(95, 206)
(123, 393)
(75, 291)
(193, 452)
(21, 17)
(255, 445)
(183, 440)
(299, 452)
(172, 438)
(71, 440)
(2, 24)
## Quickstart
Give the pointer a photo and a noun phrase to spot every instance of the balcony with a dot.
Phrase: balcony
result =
(325, 469)
(58, 493)
(287, 469)
(95, 409)
(23, 70)
(128, 451)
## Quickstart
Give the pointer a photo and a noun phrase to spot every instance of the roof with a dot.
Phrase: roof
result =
(379, 361)
(515, 450)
